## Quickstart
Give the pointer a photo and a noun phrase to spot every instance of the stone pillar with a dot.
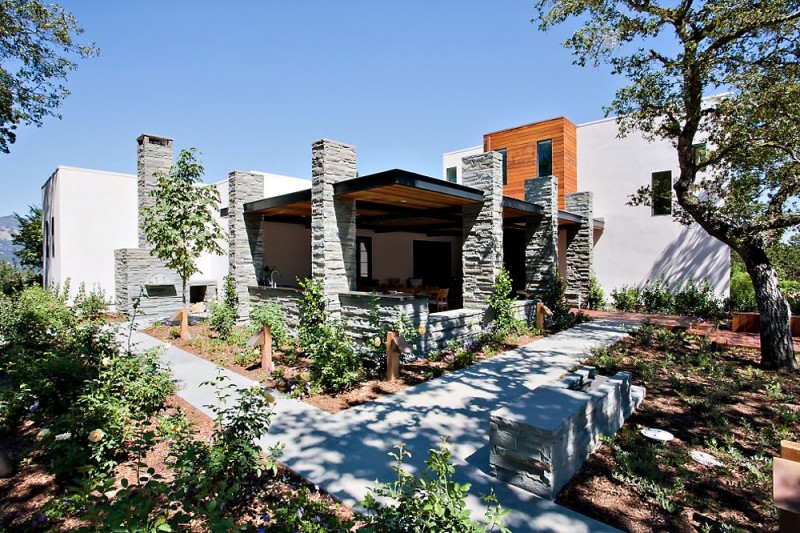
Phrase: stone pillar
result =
(333, 220)
(154, 155)
(579, 247)
(245, 237)
(482, 245)
(541, 244)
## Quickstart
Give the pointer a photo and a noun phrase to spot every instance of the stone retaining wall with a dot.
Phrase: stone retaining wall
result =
(457, 324)
(539, 441)
(287, 298)
(355, 309)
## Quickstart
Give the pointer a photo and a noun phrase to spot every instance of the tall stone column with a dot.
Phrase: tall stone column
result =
(482, 245)
(245, 237)
(333, 220)
(579, 248)
(154, 155)
(541, 236)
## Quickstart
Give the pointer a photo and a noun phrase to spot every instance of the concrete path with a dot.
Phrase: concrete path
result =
(345, 453)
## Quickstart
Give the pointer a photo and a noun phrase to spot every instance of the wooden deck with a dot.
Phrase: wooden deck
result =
(723, 338)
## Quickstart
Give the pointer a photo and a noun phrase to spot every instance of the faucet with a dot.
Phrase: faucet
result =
(271, 276)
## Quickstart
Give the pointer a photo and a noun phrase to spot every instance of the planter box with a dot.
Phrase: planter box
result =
(751, 323)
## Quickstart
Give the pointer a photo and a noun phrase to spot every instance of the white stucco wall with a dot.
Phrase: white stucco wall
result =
(95, 213)
(453, 159)
(636, 246)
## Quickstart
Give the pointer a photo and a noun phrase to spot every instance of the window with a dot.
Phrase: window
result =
(46, 239)
(661, 191)
(544, 158)
(699, 151)
(364, 257)
(452, 174)
(52, 237)
(504, 153)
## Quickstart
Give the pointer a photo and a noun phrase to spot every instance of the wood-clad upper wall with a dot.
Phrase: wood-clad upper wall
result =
(520, 143)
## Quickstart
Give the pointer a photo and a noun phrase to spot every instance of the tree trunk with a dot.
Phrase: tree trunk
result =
(777, 351)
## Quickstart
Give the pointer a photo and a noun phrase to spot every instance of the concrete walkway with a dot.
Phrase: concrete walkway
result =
(346, 452)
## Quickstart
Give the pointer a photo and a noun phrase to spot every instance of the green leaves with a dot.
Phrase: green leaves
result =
(37, 52)
(180, 226)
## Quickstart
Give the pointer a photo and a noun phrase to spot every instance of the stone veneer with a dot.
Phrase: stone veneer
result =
(540, 440)
(580, 245)
(333, 220)
(153, 156)
(355, 309)
(541, 248)
(136, 269)
(245, 239)
(482, 245)
(287, 298)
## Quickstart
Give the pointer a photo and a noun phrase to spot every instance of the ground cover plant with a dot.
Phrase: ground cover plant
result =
(718, 402)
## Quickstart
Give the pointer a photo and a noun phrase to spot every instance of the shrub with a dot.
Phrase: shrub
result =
(222, 319)
(432, 501)
(697, 300)
(625, 298)
(597, 298)
(89, 306)
(743, 295)
(554, 294)
(501, 306)
(13, 280)
(312, 312)
(270, 314)
(656, 297)
(213, 471)
(335, 365)
(230, 298)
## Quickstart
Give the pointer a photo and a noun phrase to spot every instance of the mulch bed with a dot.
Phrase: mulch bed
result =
(203, 343)
(723, 405)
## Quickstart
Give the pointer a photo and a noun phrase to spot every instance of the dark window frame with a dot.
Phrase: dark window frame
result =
(367, 241)
(447, 173)
(504, 153)
(539, 153)
(660, 205)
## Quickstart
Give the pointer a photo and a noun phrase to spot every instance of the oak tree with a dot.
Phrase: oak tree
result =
(742, 186)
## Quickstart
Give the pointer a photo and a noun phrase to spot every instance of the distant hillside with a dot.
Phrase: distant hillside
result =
(8, 226)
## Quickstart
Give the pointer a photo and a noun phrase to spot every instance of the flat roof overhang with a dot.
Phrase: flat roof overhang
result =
(399, 200)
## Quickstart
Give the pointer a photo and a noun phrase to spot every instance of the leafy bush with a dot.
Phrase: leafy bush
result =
(222, 319)
(270, 314)
(432, 501)
(335, 365)
(501, 306)
(230, 298)
(597, 298)
(656, 297)
(554, 294)
(697, 300)
(91, 305)
(312, 312)
(213, 471)
(13, 280)
(625, 298)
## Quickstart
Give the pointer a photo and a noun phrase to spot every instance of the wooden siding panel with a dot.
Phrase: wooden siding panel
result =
(520, 143)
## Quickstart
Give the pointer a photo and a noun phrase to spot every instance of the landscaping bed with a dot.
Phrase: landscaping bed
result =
(717, 402)
(292, 377)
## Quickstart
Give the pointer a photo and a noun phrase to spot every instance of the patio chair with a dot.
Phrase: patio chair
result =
(439, 303)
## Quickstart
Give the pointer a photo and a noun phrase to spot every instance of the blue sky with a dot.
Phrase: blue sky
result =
(252, 84)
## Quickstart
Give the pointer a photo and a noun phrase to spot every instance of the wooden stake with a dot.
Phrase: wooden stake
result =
(266, 351)
(541, 312)
(392, 356)
(184, 322)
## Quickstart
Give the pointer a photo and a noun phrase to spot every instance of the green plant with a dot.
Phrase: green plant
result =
(180, 225)
(432, 501)
(89, 306)
(625, 298)
(597, 298)
(13, 280)
(335, 365)
(269, 314)
(501, 306)
(213, 471)
(697, 300)
(656, 297)
(246, 357)
(222, 319)
(229, 295)
(607, 359)
(554, 295)
(312, 312)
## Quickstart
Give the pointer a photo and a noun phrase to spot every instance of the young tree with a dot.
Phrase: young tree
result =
(29, 238)
(743, 186)
(180, 224)
(37, 48)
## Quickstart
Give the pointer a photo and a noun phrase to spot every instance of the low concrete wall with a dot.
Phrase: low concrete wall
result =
(539, 441)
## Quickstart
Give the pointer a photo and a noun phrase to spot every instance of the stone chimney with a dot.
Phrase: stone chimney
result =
(154, 154)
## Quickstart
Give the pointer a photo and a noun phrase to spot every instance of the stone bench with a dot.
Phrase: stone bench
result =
(541, 439)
